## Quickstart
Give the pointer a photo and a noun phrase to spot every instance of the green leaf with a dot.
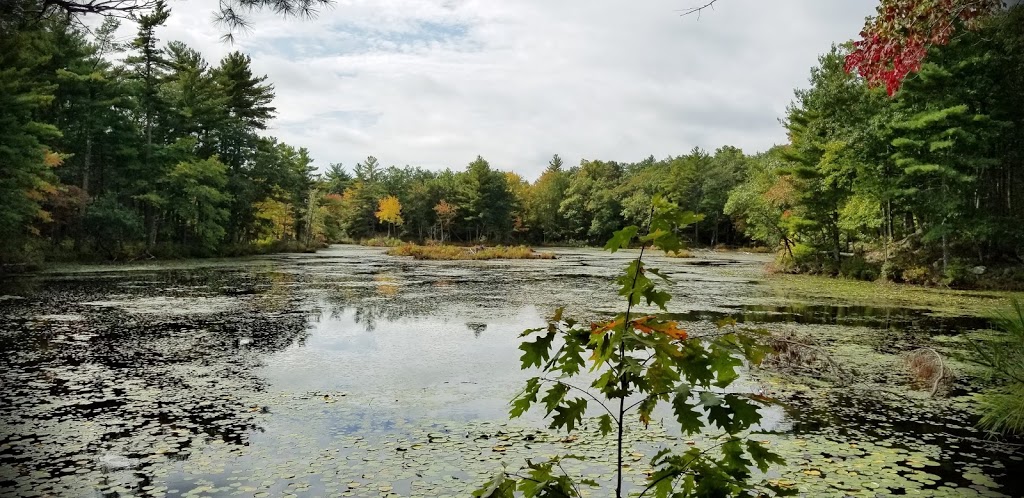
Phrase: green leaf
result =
(537, 352)
(571, 360)
(646, 408)
(656, 272)
(569, 414)
(724, 364)
(669, 243)
(500, 486)
(633, 284)
(762, 456)
(718, 413)
(684, 410)
(621, 238)
(554, 396)
(710, 399)
(694, 364)
(657, 297)
(734, 461)
(531, 331)
(526, 398)
(745, 413)
(663, 482)
(732, 413)
(607, 383)
(540, 475)
(604, 424)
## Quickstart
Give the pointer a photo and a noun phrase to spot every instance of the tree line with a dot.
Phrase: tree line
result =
(923, 185)
(116, 150)
(581, 204)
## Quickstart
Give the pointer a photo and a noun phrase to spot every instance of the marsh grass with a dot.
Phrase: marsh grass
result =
(381, 242)
(939, 301)
(682, 253)
(452, 253)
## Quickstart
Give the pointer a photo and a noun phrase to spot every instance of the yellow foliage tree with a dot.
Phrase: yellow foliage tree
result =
(276, 219)
(445, 215)
(389, 210)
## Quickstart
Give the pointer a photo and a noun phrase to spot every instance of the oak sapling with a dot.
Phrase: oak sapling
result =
(642, 360)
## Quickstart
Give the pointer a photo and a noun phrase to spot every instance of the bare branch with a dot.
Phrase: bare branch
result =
(698, 10)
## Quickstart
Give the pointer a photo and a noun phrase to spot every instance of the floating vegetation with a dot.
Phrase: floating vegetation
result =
(887, 295)
(381, 242)
(803, 356)
(447, 252)
(309, 375)
(167, 306)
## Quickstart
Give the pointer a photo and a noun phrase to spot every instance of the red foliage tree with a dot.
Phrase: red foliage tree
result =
(895, 41)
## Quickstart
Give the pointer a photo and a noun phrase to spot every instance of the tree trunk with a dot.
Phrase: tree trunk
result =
(87, 163)
(945, 253)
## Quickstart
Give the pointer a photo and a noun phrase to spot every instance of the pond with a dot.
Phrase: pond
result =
(353, 373)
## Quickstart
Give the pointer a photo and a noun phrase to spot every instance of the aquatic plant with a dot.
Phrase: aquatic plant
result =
(804, 356)
(640, 362)
(682, 253)
(381, 242)
(449, 252)
(1002, 407)
(929, 370)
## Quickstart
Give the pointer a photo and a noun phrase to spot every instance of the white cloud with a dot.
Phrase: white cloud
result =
(436, 82)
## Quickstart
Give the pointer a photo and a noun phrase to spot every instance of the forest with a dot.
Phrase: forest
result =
(125, 151)
(718, 322)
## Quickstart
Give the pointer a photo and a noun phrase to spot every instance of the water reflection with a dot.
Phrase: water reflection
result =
(158, 379)
(105, 386)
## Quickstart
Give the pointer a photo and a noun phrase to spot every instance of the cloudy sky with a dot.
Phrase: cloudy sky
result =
(436, 82)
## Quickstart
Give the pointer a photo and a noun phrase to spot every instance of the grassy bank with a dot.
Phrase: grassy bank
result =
(47, 256)
(451, 253)
(939, 300)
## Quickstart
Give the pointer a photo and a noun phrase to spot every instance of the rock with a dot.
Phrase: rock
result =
(978, 270)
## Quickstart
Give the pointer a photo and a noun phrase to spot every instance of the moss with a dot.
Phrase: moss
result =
(449, 253)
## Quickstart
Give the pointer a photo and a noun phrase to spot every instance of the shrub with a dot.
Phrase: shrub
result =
(891, 271)
(920, 275)
(857, 267)
(804, 252)
(958, 274)
(808, 259)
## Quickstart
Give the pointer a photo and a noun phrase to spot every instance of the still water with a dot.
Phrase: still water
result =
(353, 373)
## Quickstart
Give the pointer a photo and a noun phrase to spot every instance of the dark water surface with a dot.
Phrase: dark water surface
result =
(352, 373)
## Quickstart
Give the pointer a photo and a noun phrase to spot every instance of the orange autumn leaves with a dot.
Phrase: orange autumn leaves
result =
(647, 324)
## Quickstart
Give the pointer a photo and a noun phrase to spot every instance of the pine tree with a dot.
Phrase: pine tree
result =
(25, 160)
